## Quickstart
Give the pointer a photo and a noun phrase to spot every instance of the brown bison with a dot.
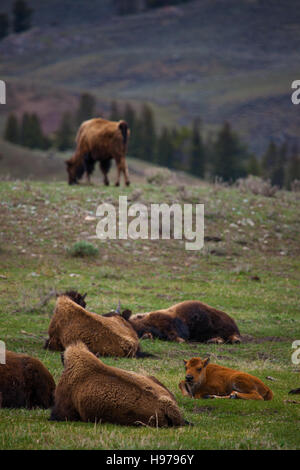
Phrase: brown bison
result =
(204, 380)
(25, 382)
(187, 321)
(91, 391)
(99, 140)
(104, 336)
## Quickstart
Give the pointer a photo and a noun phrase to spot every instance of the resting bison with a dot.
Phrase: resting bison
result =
(99, 140)
(204, 380)
(190, 320)
(25, 382)
(91, 391)
(103, 336)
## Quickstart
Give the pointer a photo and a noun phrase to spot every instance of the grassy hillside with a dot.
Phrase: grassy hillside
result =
(252, 273)
(219, 60)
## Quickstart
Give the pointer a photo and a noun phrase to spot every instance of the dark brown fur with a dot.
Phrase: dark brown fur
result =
(25, 382)
(91, 391)
(189, 320)
(76, 297)
(99, 140)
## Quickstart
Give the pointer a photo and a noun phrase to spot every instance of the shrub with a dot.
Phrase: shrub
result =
(257, 185)
(295, 186)
(82, 249)
(159, 176)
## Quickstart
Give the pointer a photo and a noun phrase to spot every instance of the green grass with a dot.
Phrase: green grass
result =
(82, 249)
(39, 221)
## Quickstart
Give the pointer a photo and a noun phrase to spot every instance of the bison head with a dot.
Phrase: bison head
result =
(75, 171)
(195, 370)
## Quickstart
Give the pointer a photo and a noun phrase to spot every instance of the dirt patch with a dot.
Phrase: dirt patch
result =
(263, 339)
(203, 409)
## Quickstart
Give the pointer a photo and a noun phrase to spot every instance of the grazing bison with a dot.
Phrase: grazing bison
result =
(104, 336)
(25, 382)
(99, 140)
(190, 320)
(204, 380)
(91, 391)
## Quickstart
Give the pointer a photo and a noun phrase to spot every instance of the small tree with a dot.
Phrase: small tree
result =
(148, 133)
(197, 158)
(31, 133)
(65, 135)
(114, 112)
(86, 108)
(129, 115)
(253, 166)
(4, 25)
(269, 160)
(278, 171)
(165, 149)
(292, 169)
(229, 155)
(22, 16)
(11, 131)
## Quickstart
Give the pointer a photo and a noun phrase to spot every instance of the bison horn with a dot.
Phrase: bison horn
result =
(118, 309)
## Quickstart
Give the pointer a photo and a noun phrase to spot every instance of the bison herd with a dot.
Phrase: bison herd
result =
(89, 390)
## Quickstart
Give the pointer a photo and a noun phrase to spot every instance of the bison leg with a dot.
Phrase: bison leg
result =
(253, 395)
(105, 166)
(234, 339)
(122, 168)
(147, 336)
(216, 340)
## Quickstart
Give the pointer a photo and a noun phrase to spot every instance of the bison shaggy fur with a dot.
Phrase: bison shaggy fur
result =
(25, 382)
(99, 140)
(103, 336)
(190, 320)
(91, 391)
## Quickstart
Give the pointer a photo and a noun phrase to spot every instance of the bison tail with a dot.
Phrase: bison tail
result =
(123, 126)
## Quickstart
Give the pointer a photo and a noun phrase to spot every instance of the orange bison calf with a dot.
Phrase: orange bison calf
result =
(91, 391)
(99, 140)
(25, 382)
(190, 320)
(104, 336)
(204, 380)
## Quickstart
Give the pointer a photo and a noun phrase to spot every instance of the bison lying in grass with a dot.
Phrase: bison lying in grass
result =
(187, 321)
(204, 380)
(25, 382)
(99, 140)
(104, 336)
(91, 391)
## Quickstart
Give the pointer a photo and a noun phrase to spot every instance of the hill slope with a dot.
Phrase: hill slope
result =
(219, 60)
(252, 273)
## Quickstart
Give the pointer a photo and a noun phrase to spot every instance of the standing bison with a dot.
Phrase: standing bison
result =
(99, 140)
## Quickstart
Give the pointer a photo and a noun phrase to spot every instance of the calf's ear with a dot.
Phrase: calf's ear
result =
(206, 361)
(184, 361)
